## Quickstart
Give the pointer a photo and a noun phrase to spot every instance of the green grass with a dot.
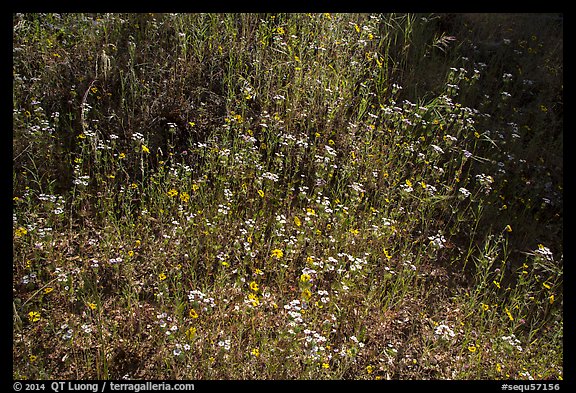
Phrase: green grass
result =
(287, 196)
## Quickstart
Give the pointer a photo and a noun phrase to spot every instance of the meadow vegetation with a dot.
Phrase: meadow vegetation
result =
(287, 196)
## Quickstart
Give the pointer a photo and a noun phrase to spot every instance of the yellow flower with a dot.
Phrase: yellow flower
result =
(162, 276)
(325, 366)
(21, 231)
(509, 314)
(306, 294)
(191, 333)
(498, 368)
(472, 348)
(33, 358)
(261, 193)
(551, 299)
(145, 149)
(184, 197)
(92, 306)
(255, 352)
(130, 253)
(121, 156)
(310, 212)
(254, 286)
(305, 277)
(369, 369)
(277, 253)
(508, 228)
(172, 192)
(47, 290)
(33, 316)
(497, 284)
(297, 221)
(387, 255)
(193, 313)
(254, 299)
(484, 307)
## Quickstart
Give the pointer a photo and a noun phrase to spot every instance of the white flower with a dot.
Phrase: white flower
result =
(224, 344)
(545, 253)
(406, 187)
(437, 241)
(485, 180)
(438, 149)
(330, 150)
(357, 187)
(464, 192)
(67, 335)
(444, 331)
(138, 137)
(271, 176)
(513, 341)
